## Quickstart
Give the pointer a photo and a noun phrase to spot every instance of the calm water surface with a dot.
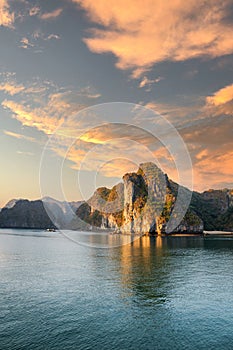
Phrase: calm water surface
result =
(156, 293)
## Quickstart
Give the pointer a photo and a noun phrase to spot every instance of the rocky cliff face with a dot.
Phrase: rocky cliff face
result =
(144, 198)
(215, 207)
(145, 203)
(222, 200)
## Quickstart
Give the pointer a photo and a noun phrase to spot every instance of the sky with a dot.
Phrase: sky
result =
(63, 62)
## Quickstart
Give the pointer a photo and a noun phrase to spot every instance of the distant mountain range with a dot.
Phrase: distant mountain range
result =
(127, 208)
(23, 213)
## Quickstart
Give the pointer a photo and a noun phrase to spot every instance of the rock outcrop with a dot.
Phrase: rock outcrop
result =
(144, 203)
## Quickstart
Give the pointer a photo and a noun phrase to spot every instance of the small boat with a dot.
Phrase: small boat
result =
(51, 230)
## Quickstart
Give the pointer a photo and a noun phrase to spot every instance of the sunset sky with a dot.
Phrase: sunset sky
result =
(59, 57)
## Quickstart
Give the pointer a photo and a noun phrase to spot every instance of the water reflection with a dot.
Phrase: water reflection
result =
(147, 266)
(142, 271)
(97, 240)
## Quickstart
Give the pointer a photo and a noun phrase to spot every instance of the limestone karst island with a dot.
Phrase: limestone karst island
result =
(144, 203)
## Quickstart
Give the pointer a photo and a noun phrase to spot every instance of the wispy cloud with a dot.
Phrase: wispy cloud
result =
(147, 83)
(25, 43)
(51, 15)
(25, 153)
(11, 87)
(116, 167)
(89, 92)
(33, 11)
(39, 35)
(44, 105)
(35, 40)
(52, 36)
(45, 118)
(144, 33)
(19, 136)
(112, 158)
(179, 115)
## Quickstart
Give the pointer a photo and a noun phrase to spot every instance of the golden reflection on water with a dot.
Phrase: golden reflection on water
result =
(141, 264)
(127, 242)
(144, 248)
(159, 242)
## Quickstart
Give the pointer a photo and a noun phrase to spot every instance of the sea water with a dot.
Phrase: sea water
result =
(152, 293)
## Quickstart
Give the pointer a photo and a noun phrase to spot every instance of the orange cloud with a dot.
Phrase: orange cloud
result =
(113, 151)
(203, 153)
(221, 96)
(210, 144)
(6, 16)
(45, 106)
(108, 131)
(109, 149)
(47, 117)
(144, 32)
(208, 173)
(117, 167)
(12, 88)
(30, 118)
(220, 103)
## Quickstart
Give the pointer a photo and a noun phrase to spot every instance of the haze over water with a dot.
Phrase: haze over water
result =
(155, 293)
